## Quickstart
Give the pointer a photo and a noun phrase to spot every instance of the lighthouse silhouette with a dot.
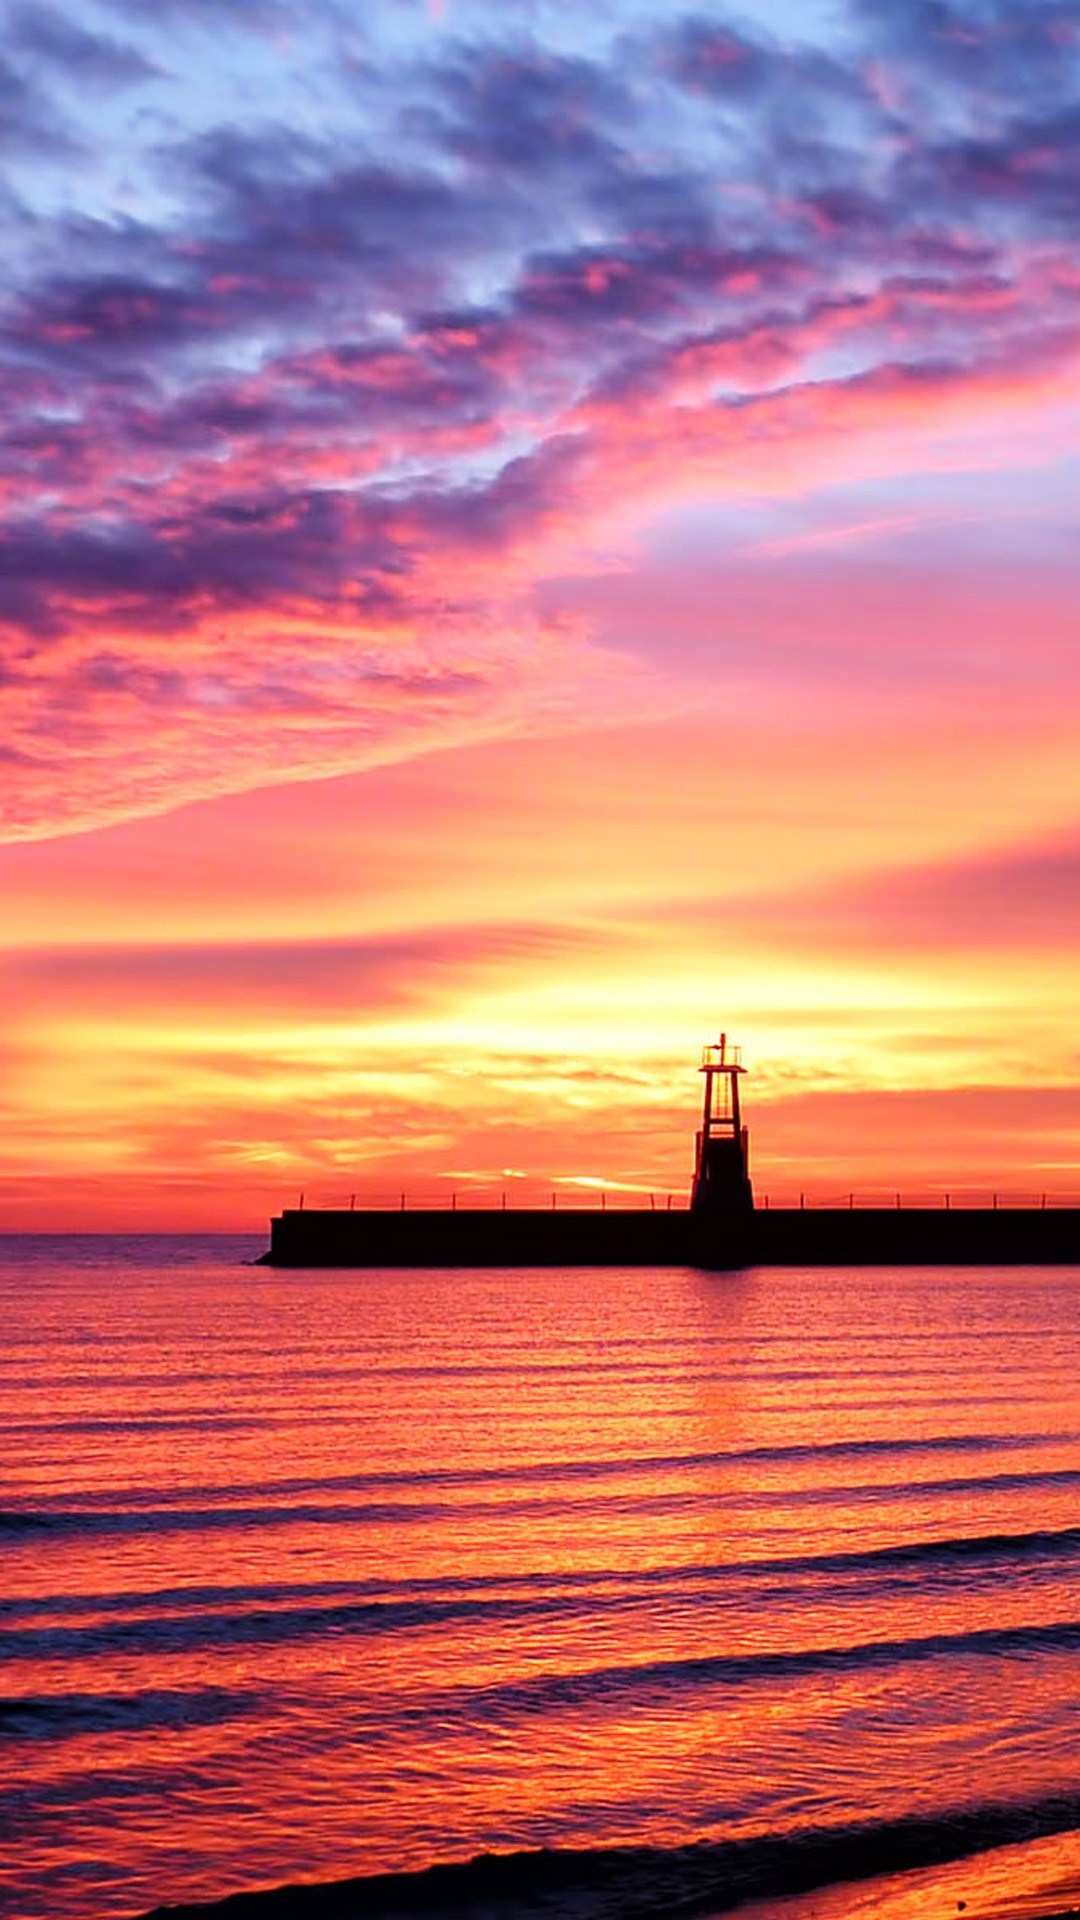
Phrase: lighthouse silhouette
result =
(721, 1162)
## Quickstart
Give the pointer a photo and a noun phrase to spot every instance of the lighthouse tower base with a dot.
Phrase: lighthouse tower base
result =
(721, 1180)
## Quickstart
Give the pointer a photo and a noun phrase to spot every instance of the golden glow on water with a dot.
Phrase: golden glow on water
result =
(310, 1575)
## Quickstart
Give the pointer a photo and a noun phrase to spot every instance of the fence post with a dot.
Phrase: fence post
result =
(504, 1202)
(301, 1203)
(603, 1203)
(948, 1201)
(802, 1202)
(898, 1203)
(403, 1203)
(553, 1203)
(352, 1203)
(453, 1203)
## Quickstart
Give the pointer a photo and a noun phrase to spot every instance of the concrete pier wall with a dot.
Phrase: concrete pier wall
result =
(775, 1237)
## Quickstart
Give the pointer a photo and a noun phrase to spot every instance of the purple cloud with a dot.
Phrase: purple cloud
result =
(44, 36)
(354, 370)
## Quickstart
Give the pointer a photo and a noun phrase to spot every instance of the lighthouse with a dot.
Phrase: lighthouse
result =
(721, 1162)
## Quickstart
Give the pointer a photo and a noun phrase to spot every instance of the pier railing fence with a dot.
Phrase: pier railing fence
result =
(608, 1199)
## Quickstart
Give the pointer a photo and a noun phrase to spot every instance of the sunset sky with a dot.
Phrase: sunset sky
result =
(533, 532)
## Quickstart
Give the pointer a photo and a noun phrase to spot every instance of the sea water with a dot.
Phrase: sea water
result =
(714, 1586)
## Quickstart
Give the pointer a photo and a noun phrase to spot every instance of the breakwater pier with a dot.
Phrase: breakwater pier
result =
(775, 1236)
(721, 1227)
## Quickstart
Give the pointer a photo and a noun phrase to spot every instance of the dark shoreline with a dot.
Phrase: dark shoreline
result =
(652, 1883)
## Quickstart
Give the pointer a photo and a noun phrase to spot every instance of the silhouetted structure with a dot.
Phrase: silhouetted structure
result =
(722, 1227)
(721, 1163)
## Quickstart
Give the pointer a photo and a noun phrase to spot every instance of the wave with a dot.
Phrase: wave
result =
(649, 1883)
(934, 1558)
(160, 1520)
(588, 1370)
(276, 1625)
(516, 1699)
(140, 1423)
(553, 1471)
(63, 1716)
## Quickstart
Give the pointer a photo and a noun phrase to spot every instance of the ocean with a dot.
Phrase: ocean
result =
(683, 1590)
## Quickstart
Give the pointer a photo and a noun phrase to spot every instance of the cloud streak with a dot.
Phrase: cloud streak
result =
(296, 430)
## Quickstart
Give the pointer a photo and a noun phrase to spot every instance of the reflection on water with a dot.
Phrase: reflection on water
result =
(314, 1575)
